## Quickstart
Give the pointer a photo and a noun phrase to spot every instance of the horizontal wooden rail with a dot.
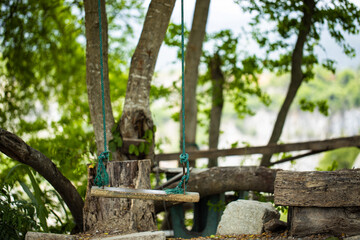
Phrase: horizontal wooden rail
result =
(323, 145)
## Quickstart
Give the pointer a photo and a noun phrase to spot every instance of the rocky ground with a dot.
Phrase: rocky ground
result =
(279, 236)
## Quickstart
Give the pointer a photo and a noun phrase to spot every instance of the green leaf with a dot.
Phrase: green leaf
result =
(112, 146)
(150, 136)
(147, 149)
(132, 148)
(154, 129)
(137, 152)
(119, 142)
(141, 147)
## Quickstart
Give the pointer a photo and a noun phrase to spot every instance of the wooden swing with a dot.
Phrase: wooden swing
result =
(177, 194)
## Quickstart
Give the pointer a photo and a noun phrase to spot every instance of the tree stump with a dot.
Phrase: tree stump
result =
(118, 214)
(320, 202)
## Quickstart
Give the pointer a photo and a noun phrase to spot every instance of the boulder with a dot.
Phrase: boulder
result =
(246, 217)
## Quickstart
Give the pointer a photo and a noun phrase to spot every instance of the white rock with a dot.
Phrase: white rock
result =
(246, 217)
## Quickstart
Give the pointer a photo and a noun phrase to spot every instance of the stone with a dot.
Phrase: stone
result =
(357, 237)
(275, 225)
(47, 236)
(156, 235)
(246, 217)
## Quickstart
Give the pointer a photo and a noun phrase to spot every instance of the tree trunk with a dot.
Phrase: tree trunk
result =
(192, 60)
(15, 148)
(217, 79)
(296, 76)
(122, 214)
(136, 117)
(118, 214)
(93, 78)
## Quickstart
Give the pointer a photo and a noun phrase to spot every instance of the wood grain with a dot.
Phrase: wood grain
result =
(318, 189)
(307, 221)
(145, 194)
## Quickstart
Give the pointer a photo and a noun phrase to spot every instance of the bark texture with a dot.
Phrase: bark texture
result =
(192, 60)
(93, 77)
(119, 214)
(15, 148)
(217, 80)
(136, 117)
(305, 221)
(325, 145)
(221, 179)
(318, 189)
(297, 75)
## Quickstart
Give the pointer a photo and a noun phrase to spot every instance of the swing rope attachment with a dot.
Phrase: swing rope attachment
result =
(184, 157)
(102, 177)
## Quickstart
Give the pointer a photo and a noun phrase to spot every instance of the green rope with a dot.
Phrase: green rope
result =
(102, 177)
(184, 157)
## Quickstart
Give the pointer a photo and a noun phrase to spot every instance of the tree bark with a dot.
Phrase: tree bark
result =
(15, 148)
(136, 117)
(119, 214)
(93, 77)
(318, 189)
(296, 75)
(305, 221)
(217, 80)
(192, 60)
(221, 179)
(325, 145)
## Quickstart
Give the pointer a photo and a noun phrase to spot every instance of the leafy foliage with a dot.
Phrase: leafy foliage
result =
(331, 92)
(16, 216)
(282, 20)
(43, 90)
(342, 158)
(239, 69)
(47, 203)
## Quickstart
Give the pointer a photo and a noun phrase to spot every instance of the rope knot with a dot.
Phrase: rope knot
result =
(104, 156)
(184, 158)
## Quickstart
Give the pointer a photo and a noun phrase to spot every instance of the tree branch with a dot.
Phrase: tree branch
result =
(15, 148)
(296, 157)
(324, 145)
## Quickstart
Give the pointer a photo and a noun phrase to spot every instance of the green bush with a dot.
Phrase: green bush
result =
(16, 217)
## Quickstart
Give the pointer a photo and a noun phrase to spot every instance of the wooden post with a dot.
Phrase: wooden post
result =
(119, 214)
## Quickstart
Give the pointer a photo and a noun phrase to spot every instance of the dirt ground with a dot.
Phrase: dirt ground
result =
(280, 236)
(273, 236)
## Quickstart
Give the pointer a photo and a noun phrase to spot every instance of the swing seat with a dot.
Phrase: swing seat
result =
(145, 194)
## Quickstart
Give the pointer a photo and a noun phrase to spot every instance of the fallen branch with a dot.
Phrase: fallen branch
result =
(221, 179)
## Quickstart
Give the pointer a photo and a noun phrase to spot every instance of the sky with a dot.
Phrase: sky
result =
(225, 14)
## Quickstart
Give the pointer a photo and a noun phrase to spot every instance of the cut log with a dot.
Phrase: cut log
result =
(120, 214)
(145, 194)
(318, 189)
(305, 221)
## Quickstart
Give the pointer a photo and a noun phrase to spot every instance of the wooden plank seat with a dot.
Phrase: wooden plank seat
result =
(145, 194)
